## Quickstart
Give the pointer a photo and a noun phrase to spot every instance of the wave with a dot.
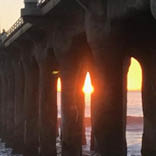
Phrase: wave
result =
(131, 120)
(134, 120)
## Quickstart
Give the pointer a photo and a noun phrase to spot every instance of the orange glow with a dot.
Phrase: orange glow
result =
(134, 76)
(88, 88)
(59, 84)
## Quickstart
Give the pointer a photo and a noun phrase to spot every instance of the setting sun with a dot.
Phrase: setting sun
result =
(134, 76)
(88, 88)
(59, 84)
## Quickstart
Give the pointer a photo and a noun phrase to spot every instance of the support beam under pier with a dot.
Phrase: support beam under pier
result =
(149, 104)
(3, 99)
(19, 106)
(71, 62)
(31, 106)
(108, 100)
(48, 109)
(10, 105)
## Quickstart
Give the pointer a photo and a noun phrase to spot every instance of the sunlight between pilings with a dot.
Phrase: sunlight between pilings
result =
(87, 89)
(134, 127)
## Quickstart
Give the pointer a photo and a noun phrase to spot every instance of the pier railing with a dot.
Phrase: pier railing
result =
(42, 2)
(17, 24)
(5, 35)
(20, 22)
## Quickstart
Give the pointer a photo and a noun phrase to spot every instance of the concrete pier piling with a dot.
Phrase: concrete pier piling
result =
(109, 113)
(10, 105)
(48, 104)
(149, 104)
(31, 127)
(18, 144)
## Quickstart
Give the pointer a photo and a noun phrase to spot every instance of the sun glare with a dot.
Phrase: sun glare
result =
(134, 76)
(59, 84)
(88, 88)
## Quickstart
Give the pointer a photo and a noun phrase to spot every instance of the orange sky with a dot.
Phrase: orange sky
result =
(134, 76)
(134, 79)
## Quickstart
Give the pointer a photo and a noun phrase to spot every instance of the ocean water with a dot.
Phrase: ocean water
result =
(134, 124)
(134, 104)
(134, 128)
(5, 151)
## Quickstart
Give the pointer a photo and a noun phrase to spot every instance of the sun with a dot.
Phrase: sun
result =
(134, 76)
(88, 88)
(59, 84)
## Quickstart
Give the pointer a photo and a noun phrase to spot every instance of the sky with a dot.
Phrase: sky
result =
(134, 79)
(9, 12)
(134, 76)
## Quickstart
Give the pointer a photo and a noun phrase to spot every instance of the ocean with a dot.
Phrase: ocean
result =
(133, 132)
(134, 124)
(134, 128)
